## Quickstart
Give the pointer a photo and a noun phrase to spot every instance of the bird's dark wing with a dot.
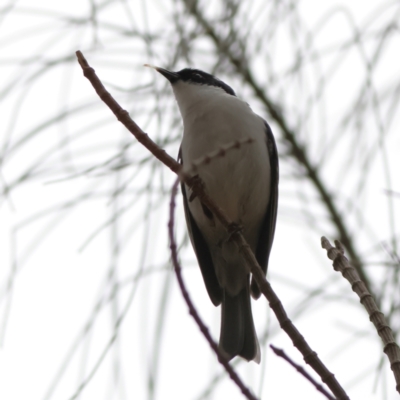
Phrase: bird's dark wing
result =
(267, 230)
(201, 249)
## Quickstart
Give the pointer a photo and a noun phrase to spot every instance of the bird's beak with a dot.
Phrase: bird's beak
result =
(171, 76)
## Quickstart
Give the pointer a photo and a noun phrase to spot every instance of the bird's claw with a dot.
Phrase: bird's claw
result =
(194, 182)
(234, 228)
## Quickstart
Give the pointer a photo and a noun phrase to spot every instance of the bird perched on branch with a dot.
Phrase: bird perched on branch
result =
(242, 181)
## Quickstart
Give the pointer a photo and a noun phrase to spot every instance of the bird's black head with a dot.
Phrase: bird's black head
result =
(195, 76)
(203, 78)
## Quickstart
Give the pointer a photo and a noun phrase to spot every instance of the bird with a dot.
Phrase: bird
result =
(243, 182)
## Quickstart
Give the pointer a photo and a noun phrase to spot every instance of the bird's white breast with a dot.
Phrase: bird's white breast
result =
(239, 181)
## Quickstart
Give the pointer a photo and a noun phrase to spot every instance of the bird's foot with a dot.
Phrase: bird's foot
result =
(195, 182)
(234, 228)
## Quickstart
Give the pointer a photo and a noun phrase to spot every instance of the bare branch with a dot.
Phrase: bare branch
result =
(192, 310)
(123, 116)
(310, 356)
(342, 264)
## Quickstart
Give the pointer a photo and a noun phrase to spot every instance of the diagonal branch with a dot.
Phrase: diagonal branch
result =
(310, 357)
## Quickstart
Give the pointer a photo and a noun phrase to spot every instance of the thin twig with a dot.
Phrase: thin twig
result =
(310, 357)
(302, 371)
(192, 310)
(219, 153)
(342, 264)
(123, 116)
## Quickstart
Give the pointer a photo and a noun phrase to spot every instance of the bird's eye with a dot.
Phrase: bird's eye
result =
(198, 76)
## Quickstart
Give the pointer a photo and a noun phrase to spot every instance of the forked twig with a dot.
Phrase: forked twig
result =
(302, 371)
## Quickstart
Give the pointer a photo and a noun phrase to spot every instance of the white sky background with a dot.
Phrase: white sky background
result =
(84, 238)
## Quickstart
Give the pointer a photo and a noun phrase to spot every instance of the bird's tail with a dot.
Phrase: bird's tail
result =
(238, 335)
